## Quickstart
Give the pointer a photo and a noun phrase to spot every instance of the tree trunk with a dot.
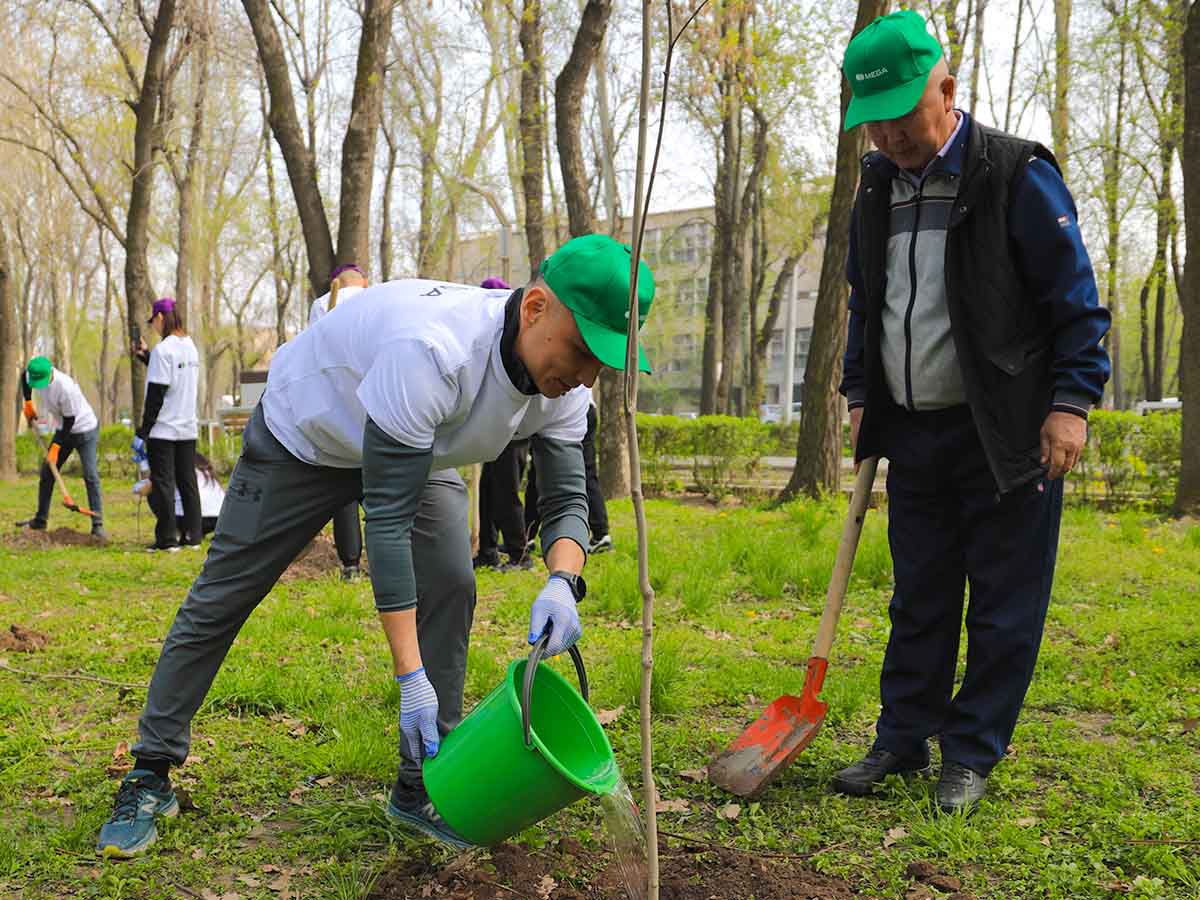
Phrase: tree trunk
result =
(819, 449)
(1144, 323)
(608, 143)
(187, 190)
(58, 320)
(762, 341)
(569, 88)
(358, 146)
(1012, 72)
(9, 364)
(139, 294)
(532, 130)
(977, 52)
(385, 212)
(299, 159)
(1187, 495)
(102, 374)
(727, 217)
(1060, 117)
(710, 357)
(1112, 210)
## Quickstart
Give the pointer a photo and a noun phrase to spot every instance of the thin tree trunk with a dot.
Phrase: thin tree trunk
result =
(728, 214)
(1012, 71)
(1060, 117)
(532, 130)
(58, 320)
(818, 450)
(608, 143)
(385, 213)
(362, 131)
(569, 88)
(1112, 197)
(710, 357)
(1144, 324)
(762, 340)
(1160, 289)
(187, 190)
(9, 364)
(299, 159)
(978, 54)
(102, 374)
(139, 293)
(1187, 494)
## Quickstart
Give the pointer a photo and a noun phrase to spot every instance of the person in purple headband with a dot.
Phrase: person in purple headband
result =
(344, 282)
(495, 283)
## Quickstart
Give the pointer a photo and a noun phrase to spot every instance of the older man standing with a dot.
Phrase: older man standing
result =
(972, 360)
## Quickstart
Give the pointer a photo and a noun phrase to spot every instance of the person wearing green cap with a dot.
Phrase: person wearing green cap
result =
(381, 400)
(78, 430)
(973, 356)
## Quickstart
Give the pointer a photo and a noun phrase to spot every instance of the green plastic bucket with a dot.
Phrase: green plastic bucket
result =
(488, 783)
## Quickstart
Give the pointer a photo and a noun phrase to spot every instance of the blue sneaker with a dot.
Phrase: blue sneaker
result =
(415, 809)
(142, 796)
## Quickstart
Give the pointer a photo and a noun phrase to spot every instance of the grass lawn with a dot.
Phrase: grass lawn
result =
(295, 746)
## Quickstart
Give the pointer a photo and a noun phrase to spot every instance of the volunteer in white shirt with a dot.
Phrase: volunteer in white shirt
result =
(62, 400)
(212, 495)
(381, 399)
(168, 431)
(346, 282)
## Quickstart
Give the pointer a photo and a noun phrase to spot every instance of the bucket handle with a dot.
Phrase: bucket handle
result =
(535, 659)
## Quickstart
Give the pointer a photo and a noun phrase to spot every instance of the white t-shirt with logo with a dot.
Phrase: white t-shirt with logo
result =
(175, 363)
(320, 306)
(62, 397)
(212, 495)
(422, 359)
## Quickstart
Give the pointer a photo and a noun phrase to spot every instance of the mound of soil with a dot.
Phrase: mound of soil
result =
(22, 640)
(688, 873)
(317, 561)
(59, 537)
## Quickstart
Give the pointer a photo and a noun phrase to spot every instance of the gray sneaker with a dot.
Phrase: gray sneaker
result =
(415, 810)
(131, 829)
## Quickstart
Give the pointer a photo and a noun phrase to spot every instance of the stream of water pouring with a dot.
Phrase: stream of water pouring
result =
(628, 836)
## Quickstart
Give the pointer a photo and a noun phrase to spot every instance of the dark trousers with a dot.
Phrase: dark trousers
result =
(347, 534)
(948, 529)
(597, 510)
(173, 465)
(208, 524)
(500, 509)
(85, 445)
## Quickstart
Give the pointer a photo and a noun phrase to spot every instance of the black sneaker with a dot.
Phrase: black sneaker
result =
(860, 779)
(33, 524)
(351, 573)
(486, 561)
(415, 810)
(959, 789)
(523, 564)
(162, 548)
(601, 544)
(99, 535)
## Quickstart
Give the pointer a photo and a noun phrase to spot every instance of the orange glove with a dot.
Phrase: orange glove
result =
(30, 412)
(52, 455)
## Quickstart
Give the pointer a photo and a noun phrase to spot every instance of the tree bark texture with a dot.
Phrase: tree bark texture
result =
(362, 131)
(187, 189)
(1187, 495)
(1113, 162)
(299, 159)
(9, 364)
(139, 294)
(1060, 116)
(569, 89)
(532, 130)
(819, 448)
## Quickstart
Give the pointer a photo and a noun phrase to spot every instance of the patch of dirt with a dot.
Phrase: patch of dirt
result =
(23, 640)
(28, 538)
(1095, 726)
(926, 872)
(317, 561)
(688, 873)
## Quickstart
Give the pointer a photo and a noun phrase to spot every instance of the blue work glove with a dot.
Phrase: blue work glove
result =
(139, 450)
(418, 713)
(555, 606)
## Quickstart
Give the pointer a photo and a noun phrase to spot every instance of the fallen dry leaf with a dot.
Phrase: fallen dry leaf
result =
(249, 881)
(546, 887)
(198, 853)
(120, 751)
(730, 811)
(1190, 725)
(1027, 821)
(22, 640)
(894, 836)
(694, 775)
(671, 806)
(280, 884)
(326, 780)
(608, 716)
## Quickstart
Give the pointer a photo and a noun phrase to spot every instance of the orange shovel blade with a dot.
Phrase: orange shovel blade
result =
(774, 739)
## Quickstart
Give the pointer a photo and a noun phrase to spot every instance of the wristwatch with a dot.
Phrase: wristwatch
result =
(577, 584)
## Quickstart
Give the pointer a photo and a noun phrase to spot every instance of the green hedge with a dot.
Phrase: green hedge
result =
(720, 449)
(114, 457)
(1129, 459)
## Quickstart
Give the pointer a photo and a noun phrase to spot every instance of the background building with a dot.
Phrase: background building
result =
(678, 247)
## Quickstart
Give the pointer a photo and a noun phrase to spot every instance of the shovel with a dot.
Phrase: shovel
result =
(789, 724)
(66, 495)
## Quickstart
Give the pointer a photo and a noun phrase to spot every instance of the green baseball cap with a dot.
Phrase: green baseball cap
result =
(37, 373)
(590, 275)
(888, 65)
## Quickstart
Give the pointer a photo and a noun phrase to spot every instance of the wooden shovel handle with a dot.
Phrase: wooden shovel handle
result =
(836, 595)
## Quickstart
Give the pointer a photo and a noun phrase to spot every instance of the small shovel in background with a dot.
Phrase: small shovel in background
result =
(789, 724)
(66, 495)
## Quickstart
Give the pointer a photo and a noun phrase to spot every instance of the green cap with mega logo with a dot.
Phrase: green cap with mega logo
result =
(37, 373)
(590, 275)
(888, 65)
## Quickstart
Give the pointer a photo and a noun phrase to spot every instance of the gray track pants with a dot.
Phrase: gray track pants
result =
(275, 505)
